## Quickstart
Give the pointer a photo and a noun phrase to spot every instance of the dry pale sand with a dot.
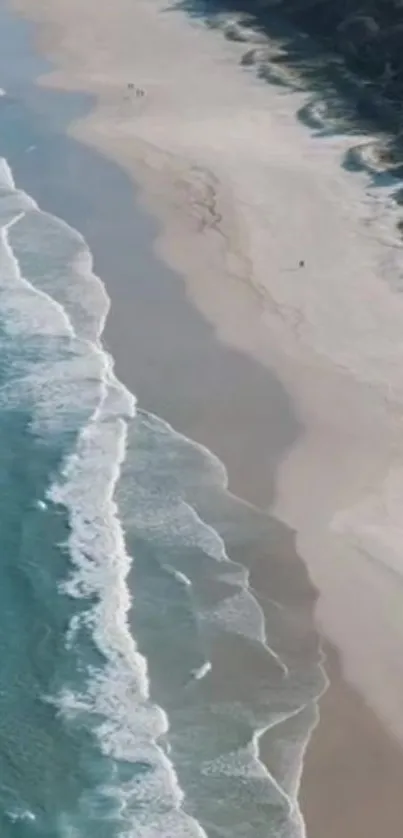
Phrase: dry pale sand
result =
(244, 191)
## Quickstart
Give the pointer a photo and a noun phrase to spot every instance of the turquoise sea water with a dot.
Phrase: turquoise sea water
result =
(138, 670)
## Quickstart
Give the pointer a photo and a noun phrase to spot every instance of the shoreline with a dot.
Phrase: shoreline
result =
(176, 385)
(203, 432)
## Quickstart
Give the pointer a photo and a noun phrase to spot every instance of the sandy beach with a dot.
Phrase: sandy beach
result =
(309, 421)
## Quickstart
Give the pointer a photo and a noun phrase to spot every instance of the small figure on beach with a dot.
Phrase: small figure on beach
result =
(139, 90)
(302, 263)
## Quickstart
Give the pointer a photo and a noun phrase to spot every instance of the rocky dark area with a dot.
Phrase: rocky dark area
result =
(367, 33)
(365, 37)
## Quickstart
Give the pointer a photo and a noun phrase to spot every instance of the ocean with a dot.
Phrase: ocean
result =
(142, 675)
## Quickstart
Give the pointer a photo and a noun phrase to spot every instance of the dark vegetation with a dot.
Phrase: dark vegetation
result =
(360, 53)
(368, 34)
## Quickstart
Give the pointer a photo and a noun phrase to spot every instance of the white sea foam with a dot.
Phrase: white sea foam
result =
(33, 313)
(47, 365)
(21, 815)
(180, 577)
(6, 175)
(202, 671)
(119, 692)
(245, 764)
(33, 307)
(61, 265)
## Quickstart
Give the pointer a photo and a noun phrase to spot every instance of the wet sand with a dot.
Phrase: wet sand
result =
(353, 769)
(211, 378)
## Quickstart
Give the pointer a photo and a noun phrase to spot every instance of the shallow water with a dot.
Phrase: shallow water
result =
(139, 669)
(85, 744)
